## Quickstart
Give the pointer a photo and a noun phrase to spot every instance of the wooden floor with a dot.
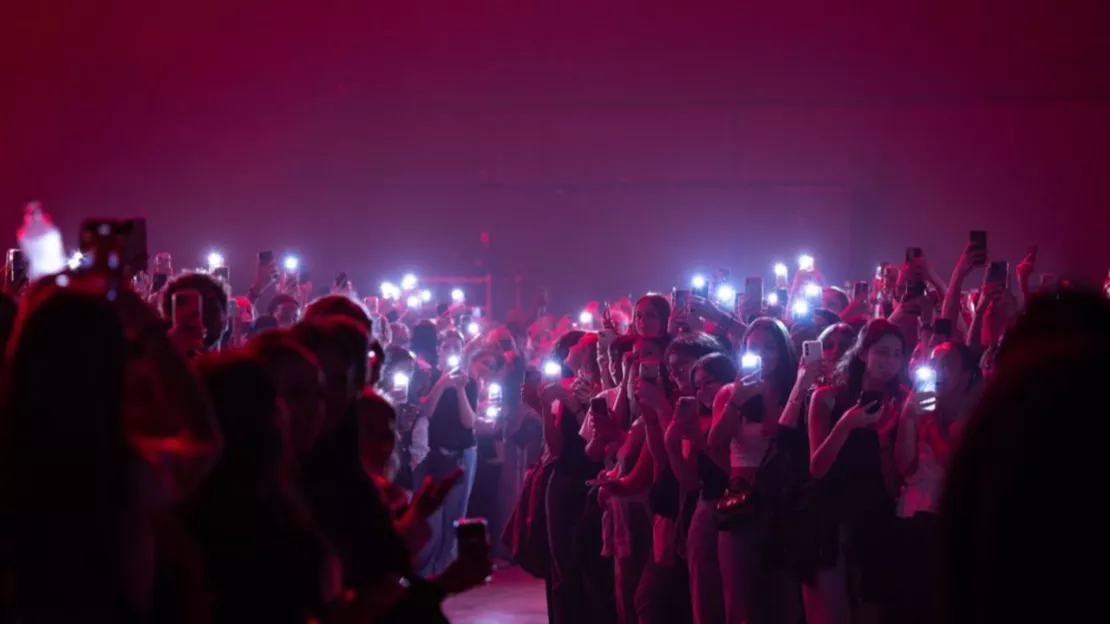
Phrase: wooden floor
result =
(511, 597)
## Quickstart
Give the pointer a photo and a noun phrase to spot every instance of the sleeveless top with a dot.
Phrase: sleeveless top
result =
(749, 450)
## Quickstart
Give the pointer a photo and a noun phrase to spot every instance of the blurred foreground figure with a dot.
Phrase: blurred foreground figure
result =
(1017, 521)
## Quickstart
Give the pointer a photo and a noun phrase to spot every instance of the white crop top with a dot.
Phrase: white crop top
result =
(748, 452)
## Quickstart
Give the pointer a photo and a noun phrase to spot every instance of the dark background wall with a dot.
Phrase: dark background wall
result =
(604, 144)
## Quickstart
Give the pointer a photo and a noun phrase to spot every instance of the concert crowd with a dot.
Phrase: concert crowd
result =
(895, 449)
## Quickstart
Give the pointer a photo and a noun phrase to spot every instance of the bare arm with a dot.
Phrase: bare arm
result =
(466, 410)
(825, 439)
(723, 428)
(685, 469)
(551, 434)
(637, 481)
(905, 446)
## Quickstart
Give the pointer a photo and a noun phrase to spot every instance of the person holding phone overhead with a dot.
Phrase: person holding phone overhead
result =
(851, 509)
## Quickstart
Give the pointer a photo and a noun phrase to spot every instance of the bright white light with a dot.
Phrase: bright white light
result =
(805, 262)
(813, 290)
(390, 291)
(552, 369)
(750, 361)
(413, 301)
(698, 281)
(400, 380)
(494, 390)
(408, 282)
(473, 328)
(492, 411)
(426, 296)
(726, 294)
(291, 263)
(772, 299)
(801, 308)
(458, 296)
(453, 361)
(780, 270)
(925, 373)
(215, 259)
(75, 260)
(585, 318)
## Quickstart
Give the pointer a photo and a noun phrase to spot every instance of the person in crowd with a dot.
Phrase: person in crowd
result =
(412, 426)
(687, 438)
(563, 408)
(1019, 445)
(300, 384)
(927, 433)
(850, 435)
(285, 310)
(450, 409)
(265, 559)
(214, 303)
(744, 422)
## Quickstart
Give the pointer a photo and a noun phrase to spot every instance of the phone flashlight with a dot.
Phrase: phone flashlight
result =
(750, 362)
(291, 263)
(473, 328)
(772, 299)
(925, 379)
(552, 369)
(390, 291)
(494, 391)
(413, 301)
(408, 282)
(726, 294)
(699, 281)
(75, 260)
(586, 318)
(491, 412)
(780, 270)
(426, 296)
(458, 296)
(801, 308)
(805, 262)
(453, 361)
(813, 290)
(400, 381)
(216, 259)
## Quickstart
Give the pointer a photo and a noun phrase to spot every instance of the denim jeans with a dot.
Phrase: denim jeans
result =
(442, 548)
(706, 590)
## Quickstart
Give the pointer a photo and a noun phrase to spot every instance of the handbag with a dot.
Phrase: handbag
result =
(740, 504)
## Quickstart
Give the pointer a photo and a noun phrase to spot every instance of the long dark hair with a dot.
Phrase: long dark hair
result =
(662, 308)
(851, 369)
(783, 379)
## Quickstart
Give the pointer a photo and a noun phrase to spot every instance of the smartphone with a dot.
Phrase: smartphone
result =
(341, 280)
(943, 327)
(599, 407)
(134, 249)
(472, 535)
(925, 379)
(372, 305)
(222, 273)
(17, 268)
(163, 262)
(442, 308)
(186, 309)
(158, 281)
(867, 398)
(978, 240)
(783, 296)
(861, 291)
(913, 253)
(914, 289)
(753, 288)
(998, 272)
(649, 369)
(811, 351)
(607, 316)
(265, 257)
(702, 292)
(680, 298)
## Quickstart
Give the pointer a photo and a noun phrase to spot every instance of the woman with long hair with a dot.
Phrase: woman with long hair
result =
(851, 460)
(745, 418)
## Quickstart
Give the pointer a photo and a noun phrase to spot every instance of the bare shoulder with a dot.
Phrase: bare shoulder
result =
(825, 396)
